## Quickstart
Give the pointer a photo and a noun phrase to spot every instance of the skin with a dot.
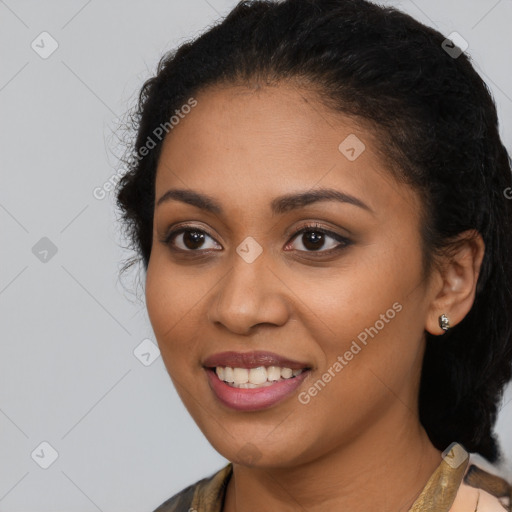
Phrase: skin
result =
(358, 442)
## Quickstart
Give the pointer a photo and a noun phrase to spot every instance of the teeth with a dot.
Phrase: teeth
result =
(228, 374)
(258, 375)
(241, 375)
(273, 373)
(254, 377)
(286, 373)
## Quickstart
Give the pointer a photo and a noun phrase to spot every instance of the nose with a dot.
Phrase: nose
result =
(250, 294)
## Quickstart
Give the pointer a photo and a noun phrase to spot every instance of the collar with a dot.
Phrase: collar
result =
(438, 494)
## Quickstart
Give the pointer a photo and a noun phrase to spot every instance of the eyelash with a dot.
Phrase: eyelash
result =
(314, 227)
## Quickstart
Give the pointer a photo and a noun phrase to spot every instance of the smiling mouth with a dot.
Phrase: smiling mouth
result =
(259, 377)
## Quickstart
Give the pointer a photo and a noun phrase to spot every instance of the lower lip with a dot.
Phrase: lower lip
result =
(256, 398)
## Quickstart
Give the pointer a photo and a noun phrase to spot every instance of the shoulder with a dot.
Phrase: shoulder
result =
(206, 494)
(484, 488)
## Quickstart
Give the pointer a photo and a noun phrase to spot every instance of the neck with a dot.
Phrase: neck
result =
(383, 466)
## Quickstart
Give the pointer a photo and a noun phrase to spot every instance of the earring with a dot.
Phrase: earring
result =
(444, 323)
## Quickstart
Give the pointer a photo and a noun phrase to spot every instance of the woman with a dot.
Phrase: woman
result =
(317, 193)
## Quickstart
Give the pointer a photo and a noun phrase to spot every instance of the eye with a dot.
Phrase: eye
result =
(314, 238)
(191, 239)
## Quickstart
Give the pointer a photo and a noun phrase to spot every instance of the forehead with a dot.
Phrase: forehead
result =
(251, 144)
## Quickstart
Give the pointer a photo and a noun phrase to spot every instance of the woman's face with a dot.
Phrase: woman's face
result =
(343, 300)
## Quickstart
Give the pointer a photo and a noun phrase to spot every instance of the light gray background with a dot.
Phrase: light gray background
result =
(69, 328)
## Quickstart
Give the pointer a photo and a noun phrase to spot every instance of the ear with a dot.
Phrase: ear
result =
(454, 285)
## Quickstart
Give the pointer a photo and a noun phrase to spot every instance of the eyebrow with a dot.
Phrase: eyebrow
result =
(278, 205)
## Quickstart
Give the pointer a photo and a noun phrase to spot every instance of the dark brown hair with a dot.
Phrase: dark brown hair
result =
(437, 124)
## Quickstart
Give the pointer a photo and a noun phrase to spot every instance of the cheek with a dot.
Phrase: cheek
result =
(354, 297)
(370, 315)
(172, 313)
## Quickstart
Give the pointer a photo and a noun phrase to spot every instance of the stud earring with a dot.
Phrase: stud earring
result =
(444, 323)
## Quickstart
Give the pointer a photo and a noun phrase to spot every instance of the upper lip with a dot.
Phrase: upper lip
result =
(252, 360)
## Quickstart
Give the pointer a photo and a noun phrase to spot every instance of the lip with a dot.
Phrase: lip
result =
(252, 360)
(256, 398)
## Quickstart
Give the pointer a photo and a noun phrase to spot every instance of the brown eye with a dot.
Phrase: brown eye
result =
(191, 239)
(315, 238)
